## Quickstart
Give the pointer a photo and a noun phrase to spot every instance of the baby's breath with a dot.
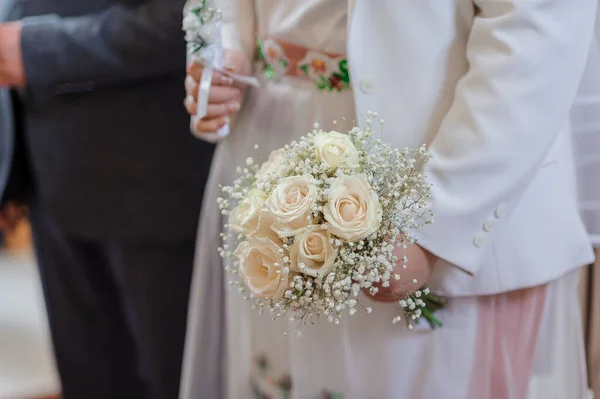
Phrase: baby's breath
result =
(395, 175)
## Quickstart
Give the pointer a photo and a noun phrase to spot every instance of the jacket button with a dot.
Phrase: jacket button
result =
(366, 86)
(488, 225)
(501, 211)
(479, 240)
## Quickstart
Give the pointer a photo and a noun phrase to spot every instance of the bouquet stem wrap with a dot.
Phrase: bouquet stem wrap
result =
(202, 25)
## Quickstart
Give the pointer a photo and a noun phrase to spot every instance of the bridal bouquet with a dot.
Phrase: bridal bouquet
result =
(318, 222)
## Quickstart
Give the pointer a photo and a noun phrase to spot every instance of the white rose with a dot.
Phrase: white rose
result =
(291, 203)
(248, 217)
(353, 210)
(260, 268)
(271, 165)
(335, 149)
(313, 249)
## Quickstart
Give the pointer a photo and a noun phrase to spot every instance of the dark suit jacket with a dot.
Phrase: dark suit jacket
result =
(108, 139)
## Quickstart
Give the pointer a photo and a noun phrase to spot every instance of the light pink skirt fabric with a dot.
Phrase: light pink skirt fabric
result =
(525, 344)
(507, 332)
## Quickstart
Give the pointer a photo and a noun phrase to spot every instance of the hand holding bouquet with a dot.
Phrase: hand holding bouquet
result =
(319, 221)
(216, 76)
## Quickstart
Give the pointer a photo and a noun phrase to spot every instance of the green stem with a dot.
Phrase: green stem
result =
(434, 299)
(434, 322)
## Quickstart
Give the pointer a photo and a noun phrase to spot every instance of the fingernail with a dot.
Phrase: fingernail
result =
(234, 107)
(223, 122)
(226, 80)
(229, 67)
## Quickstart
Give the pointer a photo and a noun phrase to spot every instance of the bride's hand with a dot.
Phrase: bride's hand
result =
(225, 97)
(419, 266)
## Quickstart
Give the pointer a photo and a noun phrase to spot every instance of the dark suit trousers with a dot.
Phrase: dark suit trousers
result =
(117, 312)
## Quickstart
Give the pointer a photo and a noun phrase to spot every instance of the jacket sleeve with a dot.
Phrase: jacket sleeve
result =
(526, 59)
(117, 45)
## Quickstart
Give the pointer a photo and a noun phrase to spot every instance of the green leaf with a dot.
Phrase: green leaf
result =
(344, 74)
(304, 68)
(343, 65)
(269, 72)
(196, 48)
(259, 45)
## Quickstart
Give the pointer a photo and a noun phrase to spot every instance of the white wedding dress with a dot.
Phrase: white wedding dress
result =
(233, 353)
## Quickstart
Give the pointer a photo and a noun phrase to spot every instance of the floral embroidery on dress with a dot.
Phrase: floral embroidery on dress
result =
(276, 63)
(266, 385)
(328, 73)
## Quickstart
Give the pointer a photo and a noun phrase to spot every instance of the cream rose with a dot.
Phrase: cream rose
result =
(291, 203)
(313, 250)
(336, 149)
(260, 268)
(271, 165)
(353, 210)
(245, 218)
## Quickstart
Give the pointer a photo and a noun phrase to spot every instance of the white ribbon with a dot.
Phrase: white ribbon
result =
(212, 58)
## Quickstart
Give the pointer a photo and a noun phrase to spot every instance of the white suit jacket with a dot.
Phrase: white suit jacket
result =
(488, 84)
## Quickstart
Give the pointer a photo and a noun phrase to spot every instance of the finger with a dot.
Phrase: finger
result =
(218, 110)
(191, 86)
(230, 66)
(195, 70)
(211, 125)
(190, 105)
(380, 296)
(213, 110)
(383, 299)
(223, 94)
(222, 80)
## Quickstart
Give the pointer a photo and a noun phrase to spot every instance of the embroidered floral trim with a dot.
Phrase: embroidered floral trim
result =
(276, 63)
(266, 386)
(327, 73)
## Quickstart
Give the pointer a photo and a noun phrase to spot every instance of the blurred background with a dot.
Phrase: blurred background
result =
(26, 363)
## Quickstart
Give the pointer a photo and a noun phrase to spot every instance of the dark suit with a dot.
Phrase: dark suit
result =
(102, 153)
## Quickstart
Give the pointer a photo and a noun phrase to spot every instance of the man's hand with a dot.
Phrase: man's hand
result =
(11, 214)
(419, 265)
(12, 71)
(225, 97)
